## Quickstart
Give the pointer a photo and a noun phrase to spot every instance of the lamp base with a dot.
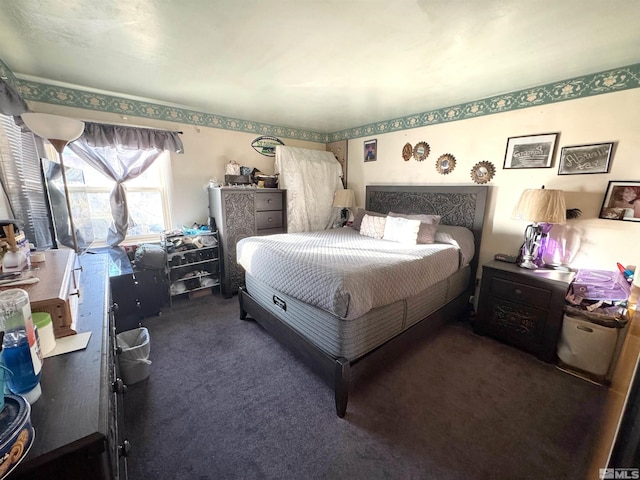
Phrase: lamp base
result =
(528, 263)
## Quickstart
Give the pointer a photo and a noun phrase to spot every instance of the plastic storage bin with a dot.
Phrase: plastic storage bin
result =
(134, 358)
(586, 345)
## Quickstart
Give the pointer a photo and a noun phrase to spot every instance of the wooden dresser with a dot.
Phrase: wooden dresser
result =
(58, 290)
(240, 213)
(78, 420)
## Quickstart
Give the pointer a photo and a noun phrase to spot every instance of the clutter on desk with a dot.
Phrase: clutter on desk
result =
(14, 246)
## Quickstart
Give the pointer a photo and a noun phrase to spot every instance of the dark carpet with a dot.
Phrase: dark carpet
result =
(224, 400)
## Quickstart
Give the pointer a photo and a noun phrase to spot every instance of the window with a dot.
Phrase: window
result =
(90, 190)
(22, 182)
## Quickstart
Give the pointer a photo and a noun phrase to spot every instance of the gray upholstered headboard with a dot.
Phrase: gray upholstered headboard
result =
(462, 205)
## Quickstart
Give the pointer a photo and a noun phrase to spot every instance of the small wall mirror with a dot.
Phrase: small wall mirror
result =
(421, 151)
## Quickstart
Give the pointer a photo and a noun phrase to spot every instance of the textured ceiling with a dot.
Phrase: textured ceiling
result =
(317, 65)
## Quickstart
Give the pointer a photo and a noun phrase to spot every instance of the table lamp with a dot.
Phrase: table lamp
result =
(59, 131)
(538, 206)
(344, 199)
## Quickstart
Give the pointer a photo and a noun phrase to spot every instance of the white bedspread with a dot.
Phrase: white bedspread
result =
(344, 272)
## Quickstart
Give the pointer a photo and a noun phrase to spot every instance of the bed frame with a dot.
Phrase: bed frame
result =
(457, 205)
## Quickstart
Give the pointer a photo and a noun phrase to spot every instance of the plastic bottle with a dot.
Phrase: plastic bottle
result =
(20, 351)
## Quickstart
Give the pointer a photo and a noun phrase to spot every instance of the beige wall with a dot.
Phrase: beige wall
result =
(611, 117)
(604, 118)
(207, 150)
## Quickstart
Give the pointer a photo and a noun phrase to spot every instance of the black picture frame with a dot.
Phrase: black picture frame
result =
(530, 151)
(585, 159)
(371, 150)
(621, 201)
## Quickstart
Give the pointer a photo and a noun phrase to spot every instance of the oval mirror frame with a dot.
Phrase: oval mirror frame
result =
(407, 152)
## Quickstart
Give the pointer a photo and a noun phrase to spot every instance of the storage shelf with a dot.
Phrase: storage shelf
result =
(217, 284)
(181, 253)
(202, 267)
(199, 262)
(199, 276)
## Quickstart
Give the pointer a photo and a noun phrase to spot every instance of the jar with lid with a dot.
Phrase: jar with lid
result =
(20, 349)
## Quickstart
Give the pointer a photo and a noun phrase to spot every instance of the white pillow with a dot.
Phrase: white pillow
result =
(401, 230)
(373, 226)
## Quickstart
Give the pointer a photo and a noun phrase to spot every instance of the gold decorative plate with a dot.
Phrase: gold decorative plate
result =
(407, 152)
(445, 164)
(421, 151)
(483, 172)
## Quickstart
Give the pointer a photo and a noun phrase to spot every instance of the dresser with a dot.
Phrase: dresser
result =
(78, 419)
(523, 307)
(240, 213)
(57, 293)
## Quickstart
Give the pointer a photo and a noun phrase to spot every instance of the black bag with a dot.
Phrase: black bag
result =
(150, 256)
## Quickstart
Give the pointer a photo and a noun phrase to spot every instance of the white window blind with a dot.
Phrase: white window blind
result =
(21, 176)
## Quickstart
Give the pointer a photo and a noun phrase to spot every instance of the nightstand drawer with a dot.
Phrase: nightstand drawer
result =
(521, 293)
(517, 324)
(269, 219)
(268, 201)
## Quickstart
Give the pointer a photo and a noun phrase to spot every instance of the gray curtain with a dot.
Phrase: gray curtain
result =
(11, 103)
(121, 154)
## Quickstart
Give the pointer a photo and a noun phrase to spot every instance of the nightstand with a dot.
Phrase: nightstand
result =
(523, 307)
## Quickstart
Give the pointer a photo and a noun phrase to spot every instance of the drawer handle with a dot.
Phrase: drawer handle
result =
(517, 291)
(270, 220)
(269, 200)
(585, 329)
(119, 386)
(124, 449)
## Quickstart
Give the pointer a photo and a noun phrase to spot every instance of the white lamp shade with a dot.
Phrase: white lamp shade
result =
(53, 127)
(541, 206)
(344, 199)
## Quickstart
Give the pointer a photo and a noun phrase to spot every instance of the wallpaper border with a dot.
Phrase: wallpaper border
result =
(617, 79)
(7, 74)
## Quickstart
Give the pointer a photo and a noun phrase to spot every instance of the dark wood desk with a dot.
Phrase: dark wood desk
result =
(78, 418)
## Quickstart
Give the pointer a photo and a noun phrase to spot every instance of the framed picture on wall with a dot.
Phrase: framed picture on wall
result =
(585, 159)
(621, 201)
(370, 150)
(530, 151)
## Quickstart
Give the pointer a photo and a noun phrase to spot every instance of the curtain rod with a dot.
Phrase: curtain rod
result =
(135, 126)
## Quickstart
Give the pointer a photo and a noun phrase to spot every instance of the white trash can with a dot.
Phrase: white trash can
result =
(134, 357)
(586, 345)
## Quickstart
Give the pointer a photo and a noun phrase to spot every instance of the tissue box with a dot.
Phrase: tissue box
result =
(601, 285)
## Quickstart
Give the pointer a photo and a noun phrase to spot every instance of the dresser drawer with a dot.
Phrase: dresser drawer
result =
(268, 201)
(521, 293)
(269, 219)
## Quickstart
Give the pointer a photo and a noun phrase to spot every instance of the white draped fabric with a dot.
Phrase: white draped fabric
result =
(311, 178)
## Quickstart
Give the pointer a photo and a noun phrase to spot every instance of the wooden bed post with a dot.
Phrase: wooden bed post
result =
(342, 379)
(243, 312)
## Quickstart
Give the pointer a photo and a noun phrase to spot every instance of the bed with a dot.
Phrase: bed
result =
(335, 297)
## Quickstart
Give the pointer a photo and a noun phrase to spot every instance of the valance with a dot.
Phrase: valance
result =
(131, 138)
(11, 103)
